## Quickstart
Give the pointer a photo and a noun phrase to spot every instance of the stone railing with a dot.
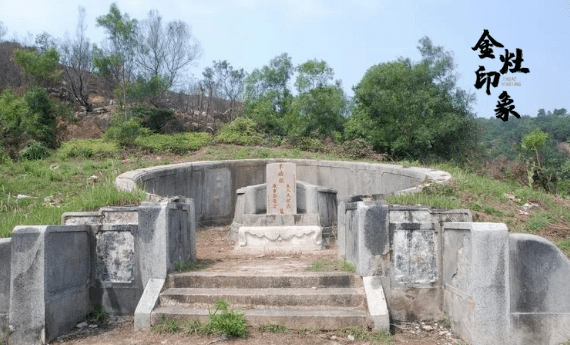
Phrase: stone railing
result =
(53, 276)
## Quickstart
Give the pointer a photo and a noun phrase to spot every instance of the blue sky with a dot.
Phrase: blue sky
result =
(351, 36)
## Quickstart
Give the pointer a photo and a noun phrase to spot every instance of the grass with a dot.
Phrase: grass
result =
(4, 335)
(183, 266)
(273, 328)
(322, 265)
(177, 143)
(376, 337)
(80, 177)
(222, 321)
(486, 197)
(564, 245)
(98, 314)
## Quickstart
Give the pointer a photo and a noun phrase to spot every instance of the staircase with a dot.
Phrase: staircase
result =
(330, 300)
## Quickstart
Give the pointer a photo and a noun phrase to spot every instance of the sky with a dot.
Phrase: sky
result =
(351, 36)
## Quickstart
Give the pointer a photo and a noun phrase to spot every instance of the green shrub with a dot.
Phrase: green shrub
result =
(34, 151)
(88, 148)
(242, 131)
(151, 118)
(357, 148)
(125, 132)
(229, 321)
(39, 122)
(4, 157)
(311, 144)
(98, 314)
(177, 143)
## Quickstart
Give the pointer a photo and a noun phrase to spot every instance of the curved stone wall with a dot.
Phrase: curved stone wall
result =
(213, 185)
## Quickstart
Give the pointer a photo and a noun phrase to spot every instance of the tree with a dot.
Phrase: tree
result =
(225, 81)
(268, 94)
(40, 69)
(44, 42)
(77, 60)
(414, 110)
(3, 31)
(165, 50)
(313, 74)
(320, 105)
(122, 35)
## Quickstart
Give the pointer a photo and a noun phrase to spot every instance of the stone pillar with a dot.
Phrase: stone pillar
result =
(476, 281)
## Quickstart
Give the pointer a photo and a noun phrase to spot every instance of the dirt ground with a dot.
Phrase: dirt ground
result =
(217, 253)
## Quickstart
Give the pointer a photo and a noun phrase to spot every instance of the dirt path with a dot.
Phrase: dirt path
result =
(217, 253)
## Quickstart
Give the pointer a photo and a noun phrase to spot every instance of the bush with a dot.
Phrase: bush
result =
(152, 118)
(125, 132)
(311, 144)
(242, 131)
(88, 148)
(39, 122)
(4, 157)
(178, 143)
(357, 148)
(34, 151)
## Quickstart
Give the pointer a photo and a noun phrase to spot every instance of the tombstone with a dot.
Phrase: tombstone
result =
(281, 188)
(283, 214)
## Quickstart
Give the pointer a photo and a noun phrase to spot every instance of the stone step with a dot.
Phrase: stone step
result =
(272, 297)
(263, 281)
(316, 318)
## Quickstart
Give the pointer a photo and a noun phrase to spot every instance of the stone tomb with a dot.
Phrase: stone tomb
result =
(278, 221)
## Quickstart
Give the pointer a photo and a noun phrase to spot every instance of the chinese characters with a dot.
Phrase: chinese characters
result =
(512, 62)
(281, 188)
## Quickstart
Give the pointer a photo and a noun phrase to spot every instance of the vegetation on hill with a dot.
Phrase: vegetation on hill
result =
(517, 172)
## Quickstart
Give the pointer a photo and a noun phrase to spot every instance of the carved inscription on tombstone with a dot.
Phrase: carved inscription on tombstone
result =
(281, 188)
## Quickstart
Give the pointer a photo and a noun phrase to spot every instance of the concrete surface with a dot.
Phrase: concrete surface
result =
(328, 300)
(147, 303)
(376, 301)
(213, 185)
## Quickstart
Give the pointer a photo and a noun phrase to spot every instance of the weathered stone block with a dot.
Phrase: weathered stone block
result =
(539, 291)
(50, 277)
(279, 238)
(476, 277)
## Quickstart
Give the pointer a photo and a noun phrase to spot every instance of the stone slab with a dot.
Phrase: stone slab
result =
(323, 318)
(280, 219)
(280, 238)
(147, 303)
(5, 262)
(281, 188)
(377, 306)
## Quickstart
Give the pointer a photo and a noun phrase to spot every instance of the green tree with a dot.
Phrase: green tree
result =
(268, 95)
(319, 107)
(119, 59)
(414, 110)
(40, 69)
